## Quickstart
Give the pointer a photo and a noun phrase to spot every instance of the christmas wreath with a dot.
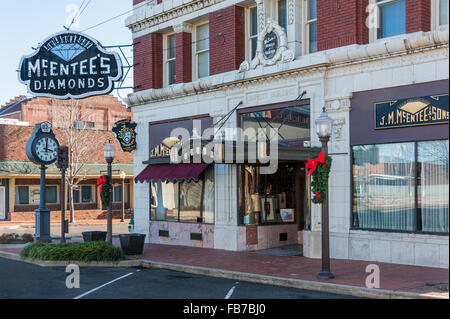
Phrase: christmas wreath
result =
(319, 168)
(105, 184)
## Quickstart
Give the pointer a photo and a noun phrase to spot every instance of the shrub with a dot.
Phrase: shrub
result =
(90, 251)
(15, 238)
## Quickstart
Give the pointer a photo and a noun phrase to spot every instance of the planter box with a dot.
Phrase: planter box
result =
(94, 236)
(132, 244)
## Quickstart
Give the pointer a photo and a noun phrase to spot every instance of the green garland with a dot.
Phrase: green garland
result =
(319, 182)
(104, 194)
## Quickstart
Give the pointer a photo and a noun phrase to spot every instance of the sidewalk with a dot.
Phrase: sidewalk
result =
(396, 281)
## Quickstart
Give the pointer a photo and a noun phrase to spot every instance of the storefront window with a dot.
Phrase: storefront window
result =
(208, 197)
(293, 123)
(164, 201)
(432, 183)
(51, 194)
(22, 195)
(272, 199)
(386, 179)
(191, 202)
(86, 194)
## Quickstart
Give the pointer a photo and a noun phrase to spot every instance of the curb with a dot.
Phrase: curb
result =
(240, 276)
(123, 263)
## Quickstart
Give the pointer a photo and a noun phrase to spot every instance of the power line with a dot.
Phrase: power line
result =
(113, 18)
(73, 20)
(79, 15)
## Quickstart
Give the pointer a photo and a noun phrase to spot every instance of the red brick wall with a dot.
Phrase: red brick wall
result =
(341, 23)
(103, 110)
(418, 15)
(14, 138)
(226, 39)
(148, 59)
(183, 61)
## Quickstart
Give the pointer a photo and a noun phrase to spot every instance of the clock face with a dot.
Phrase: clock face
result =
(46, 149)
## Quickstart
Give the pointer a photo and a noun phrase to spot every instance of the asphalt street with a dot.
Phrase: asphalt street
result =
(19, 280)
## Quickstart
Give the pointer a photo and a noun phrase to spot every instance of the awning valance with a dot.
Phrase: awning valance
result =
(171, 173)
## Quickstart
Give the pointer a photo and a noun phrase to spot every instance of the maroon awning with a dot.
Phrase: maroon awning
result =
(171, 173)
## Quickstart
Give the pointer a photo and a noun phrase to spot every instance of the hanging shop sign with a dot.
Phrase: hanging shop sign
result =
(125, 134)
(70, 65)
(425, 110)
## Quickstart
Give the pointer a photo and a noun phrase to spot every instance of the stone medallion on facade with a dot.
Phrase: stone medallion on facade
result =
(272, 48)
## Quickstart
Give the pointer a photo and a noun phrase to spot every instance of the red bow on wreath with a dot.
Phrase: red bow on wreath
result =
(312, 163)
(100, 182)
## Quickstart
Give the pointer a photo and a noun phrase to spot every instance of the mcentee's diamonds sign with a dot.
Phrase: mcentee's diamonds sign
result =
(70, 65)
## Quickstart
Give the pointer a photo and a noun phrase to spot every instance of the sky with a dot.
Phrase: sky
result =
(25, 23)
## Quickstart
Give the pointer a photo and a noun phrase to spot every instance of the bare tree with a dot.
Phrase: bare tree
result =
(79, 135)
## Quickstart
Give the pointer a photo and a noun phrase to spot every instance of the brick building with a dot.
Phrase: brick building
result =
(19, 178)
(195, 61)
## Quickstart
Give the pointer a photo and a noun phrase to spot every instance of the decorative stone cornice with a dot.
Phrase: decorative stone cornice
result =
(155, 15)
(183, 27)
(390, 46)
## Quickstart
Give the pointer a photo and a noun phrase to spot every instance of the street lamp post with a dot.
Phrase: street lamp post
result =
(324, 129)
(109, 153)
(123, 175)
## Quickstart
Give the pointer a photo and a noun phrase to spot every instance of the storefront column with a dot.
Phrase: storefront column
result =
(12, 193)
(141, 191)
(339, 186)
(226, 212)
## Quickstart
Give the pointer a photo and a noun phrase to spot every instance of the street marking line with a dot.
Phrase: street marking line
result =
(231, 291)
(95, 289)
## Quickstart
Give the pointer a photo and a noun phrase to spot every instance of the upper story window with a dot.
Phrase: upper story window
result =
(201, 46)
(252, 31)
(439, 14)
(170, 59)
(83, 125)
(311, 26)
(391, 18)
(282, 13)
(443, 12)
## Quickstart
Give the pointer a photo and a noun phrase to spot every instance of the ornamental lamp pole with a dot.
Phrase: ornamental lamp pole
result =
(109, 152)
(324, 129)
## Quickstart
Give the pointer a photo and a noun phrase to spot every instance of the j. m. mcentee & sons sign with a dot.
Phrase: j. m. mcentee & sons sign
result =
(70, 65)
(425, 110)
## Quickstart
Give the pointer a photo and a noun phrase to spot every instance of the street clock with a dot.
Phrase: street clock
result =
(42, 147)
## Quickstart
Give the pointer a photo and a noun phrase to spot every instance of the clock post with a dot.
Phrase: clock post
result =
(41, 149)
(42, 213)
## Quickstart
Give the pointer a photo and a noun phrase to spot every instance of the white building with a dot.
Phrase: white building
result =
(388, 189)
